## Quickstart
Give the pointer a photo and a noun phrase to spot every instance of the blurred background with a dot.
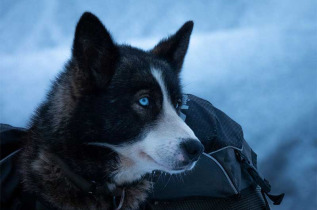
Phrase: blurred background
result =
(255, 60)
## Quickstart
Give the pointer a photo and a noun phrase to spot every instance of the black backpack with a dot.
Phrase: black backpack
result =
(225, 177)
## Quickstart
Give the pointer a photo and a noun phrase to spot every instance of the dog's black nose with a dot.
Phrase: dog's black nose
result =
(192, 148)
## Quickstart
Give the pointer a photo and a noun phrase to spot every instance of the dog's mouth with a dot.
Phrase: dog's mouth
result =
(166, 168)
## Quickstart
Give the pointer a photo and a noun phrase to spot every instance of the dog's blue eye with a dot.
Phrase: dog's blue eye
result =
(144, 101)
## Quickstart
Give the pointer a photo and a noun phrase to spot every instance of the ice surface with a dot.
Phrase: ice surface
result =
(255, 60)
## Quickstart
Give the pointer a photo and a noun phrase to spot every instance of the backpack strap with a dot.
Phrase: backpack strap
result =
(263, 183)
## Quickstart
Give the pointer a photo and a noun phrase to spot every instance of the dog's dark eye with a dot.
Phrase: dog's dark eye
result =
(144, 101)
(178, 104)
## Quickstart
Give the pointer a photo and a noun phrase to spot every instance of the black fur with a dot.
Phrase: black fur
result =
(95, 99)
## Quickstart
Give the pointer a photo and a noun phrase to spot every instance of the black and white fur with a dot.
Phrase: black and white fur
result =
(93, 120)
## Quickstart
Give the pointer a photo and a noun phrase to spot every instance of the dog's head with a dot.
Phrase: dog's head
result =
(129, 99)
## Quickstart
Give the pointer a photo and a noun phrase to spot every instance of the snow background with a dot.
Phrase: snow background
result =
(255, 60)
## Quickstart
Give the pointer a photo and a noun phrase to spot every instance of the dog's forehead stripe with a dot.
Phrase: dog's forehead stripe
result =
(157, 74)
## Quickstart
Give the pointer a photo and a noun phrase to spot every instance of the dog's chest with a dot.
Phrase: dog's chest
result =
(46, 179)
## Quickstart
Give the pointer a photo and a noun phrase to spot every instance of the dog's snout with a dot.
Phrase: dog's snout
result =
(192, 148)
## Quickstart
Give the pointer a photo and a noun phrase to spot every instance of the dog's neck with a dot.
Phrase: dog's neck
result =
(128, 171)
(49, 178)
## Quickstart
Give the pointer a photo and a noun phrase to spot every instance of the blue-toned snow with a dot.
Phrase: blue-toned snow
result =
(255, 60)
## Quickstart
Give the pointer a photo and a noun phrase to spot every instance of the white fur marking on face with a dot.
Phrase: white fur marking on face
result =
(162, 141)
(170, 115)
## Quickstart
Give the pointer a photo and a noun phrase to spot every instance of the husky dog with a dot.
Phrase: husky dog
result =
(110, 118)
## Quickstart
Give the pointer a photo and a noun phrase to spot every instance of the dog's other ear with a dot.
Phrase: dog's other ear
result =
(174, 48)
(94, 51)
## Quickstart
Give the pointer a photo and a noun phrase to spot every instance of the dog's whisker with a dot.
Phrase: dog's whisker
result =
(170, 176)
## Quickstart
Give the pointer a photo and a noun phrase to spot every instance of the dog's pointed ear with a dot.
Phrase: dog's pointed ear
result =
(174, 48)
(94, 50)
